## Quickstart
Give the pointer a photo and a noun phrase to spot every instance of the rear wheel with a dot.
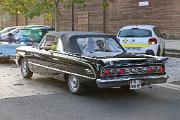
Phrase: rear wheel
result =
(25, 71)
(74, 85)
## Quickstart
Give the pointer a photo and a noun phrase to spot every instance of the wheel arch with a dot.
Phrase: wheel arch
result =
(20, 60)
(66, 77)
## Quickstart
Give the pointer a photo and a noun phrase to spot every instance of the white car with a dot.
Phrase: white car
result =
(143, 39)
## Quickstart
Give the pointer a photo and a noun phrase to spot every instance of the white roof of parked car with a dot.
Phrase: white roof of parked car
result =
(138, 26)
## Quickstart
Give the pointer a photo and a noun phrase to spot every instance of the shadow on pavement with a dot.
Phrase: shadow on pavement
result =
(109, 94)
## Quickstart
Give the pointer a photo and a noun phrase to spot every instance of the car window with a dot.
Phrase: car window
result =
(34, 34)
(135, 33)
(50, 43)
(25, 32)
(98, 44)
(157, 32)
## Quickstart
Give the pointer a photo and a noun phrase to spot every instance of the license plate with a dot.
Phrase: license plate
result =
(135, 84)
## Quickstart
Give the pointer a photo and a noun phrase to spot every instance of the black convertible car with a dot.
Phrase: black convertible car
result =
(88, 59)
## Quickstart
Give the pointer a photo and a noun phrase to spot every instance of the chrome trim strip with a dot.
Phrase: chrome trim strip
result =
(119, 59)
(132, 78)
(60, 70)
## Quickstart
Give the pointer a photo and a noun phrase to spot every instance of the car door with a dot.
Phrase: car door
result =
(58, 61)
(46, 51)
(44, 56)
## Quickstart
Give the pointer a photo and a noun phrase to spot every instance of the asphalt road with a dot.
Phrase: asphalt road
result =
(107, 104)
(49, 99)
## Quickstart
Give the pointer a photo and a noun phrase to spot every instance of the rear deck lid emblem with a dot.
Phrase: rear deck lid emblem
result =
(133, 69)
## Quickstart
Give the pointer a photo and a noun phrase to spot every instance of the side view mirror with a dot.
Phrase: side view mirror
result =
(163, 35)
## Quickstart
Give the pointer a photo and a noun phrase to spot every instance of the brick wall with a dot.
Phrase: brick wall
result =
(88, 18)
(163, 13)
(8, 20)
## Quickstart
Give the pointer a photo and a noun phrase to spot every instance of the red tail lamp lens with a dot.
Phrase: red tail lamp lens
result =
(162, 69)
(150, 70)
(113, 72)
(152, 41)
(121, 71)
(106, 72)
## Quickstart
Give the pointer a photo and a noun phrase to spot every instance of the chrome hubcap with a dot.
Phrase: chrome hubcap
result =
(73, 83)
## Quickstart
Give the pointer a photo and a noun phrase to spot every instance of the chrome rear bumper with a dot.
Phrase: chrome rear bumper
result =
(125, 80)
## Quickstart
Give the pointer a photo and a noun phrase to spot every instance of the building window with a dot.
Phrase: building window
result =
(143, 3)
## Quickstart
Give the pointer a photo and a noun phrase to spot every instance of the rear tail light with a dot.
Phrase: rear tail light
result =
(155, 69)
(122, 71)
(150, 70)
(112, 72)
(152, 41)
(105, 73)
(162, 70)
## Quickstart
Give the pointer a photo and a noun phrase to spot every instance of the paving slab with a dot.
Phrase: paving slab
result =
(172, 44)
(13, 85)
(173, 69)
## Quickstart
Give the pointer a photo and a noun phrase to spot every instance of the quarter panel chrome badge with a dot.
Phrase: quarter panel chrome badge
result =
(133, 70)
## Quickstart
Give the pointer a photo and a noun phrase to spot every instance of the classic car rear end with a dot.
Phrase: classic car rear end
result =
(87, 59)
(131, 72)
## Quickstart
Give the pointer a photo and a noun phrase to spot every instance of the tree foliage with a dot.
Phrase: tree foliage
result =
(14, 7)
(107, 3)
(50, 8)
